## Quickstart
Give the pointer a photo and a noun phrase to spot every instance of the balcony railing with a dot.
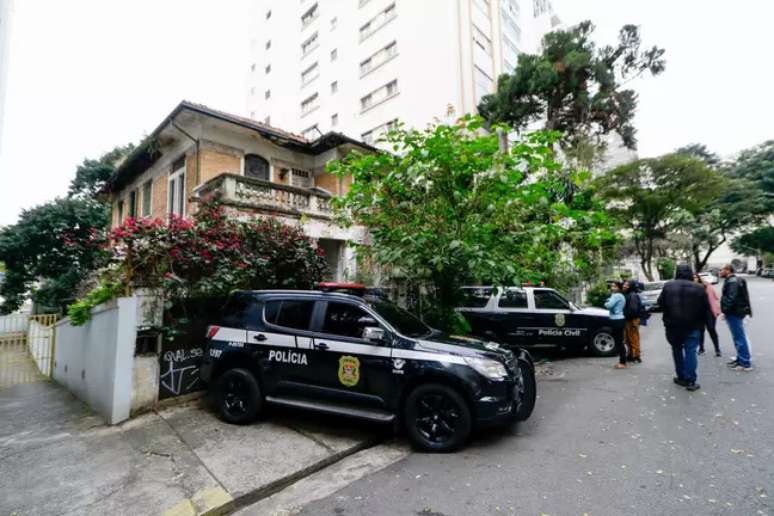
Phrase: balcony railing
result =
(259, 195)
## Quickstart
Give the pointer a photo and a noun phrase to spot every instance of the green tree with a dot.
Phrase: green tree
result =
(53, 247)
(50, 250)
(757, 165)
(447, 208)
(576, 87)
(652, 197)
(759, 242)
(700, 151)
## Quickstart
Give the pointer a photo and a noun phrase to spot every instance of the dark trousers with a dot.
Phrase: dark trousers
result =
(618, 334)
(713, 333)
(684, 346)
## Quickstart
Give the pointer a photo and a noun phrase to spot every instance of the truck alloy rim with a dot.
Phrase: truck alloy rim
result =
(604, 342)
(235, 396)
(437, 417)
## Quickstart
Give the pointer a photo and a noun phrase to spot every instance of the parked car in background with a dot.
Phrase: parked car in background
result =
(343, 351)
(709, 277)
(768, 272)
(529, 316)
(650, 294)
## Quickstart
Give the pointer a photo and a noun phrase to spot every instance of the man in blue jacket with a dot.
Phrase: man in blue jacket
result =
(735, 305)
(685, 305)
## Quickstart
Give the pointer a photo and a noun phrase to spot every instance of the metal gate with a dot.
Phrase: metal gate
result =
(27, 345)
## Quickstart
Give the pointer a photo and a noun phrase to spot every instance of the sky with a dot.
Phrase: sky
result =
(87, 75)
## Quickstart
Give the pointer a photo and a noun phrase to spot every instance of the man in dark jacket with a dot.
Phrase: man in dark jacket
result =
(685, 305)
(735, 305)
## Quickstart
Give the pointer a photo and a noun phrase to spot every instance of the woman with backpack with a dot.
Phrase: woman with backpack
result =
(632, 313)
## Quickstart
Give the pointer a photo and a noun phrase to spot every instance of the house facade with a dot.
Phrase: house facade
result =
(254, 169)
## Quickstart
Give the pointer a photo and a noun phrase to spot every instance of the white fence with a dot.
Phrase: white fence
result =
(13, 324)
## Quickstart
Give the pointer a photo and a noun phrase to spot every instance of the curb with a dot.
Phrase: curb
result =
(271, 488)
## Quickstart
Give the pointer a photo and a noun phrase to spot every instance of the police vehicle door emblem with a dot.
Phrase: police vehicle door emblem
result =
(349, 370)
(397, 365)
(559, 319)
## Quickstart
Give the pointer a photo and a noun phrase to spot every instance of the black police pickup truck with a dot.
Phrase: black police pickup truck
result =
(528, 316)
(358, 355)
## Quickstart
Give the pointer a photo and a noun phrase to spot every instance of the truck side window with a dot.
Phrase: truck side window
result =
(549, 300)
(513, 298)
(346, 320)
(235, 313)
(476, 297)
(289, 313)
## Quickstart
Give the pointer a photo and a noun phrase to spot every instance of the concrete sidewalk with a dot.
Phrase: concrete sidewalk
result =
(57, 457)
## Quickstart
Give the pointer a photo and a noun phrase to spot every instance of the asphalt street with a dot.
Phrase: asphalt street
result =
(606, 442)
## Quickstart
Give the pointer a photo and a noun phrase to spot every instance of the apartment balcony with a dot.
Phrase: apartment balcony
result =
(257, 195)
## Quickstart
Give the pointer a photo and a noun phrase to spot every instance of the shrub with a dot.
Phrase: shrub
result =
(598, 294)
(80, 311)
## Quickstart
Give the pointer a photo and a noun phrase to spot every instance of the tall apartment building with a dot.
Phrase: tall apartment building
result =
(5, 29)
(357, 66)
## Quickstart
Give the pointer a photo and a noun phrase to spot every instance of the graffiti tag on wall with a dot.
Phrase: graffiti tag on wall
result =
(180, 372)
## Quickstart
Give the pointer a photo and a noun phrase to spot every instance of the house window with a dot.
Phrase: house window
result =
(309, 45)
(309, 16)
(176, 189)
(334, 120)
(377, 22)
(133, 203)
(334, 54)
(310, 104)
(379, 95)
(334, 86)
(302, 178)
(147, 198)
(267, 70)
(310, 74)
(267, 94)
(120, 212)
(380, 57)
(311, 133)
(256, 167)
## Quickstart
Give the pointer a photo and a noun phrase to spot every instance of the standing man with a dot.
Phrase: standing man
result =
(632, 311)
(735, 305)
(685, 305)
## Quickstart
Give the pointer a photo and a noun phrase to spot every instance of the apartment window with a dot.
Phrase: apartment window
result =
(334, 86)
(482, 41)
(252, 115)
(369, 137)
(334, 54)
(252, 67)
(512, 7)
(147, 198)
(267, 120)
(267, 94)
(252, 90)
(133, 203)
(334, 120)
(267, 70)
(268, 44)
(483, 6)
(484, 83)
(310, 133)
(309, 45)
(379, 95)
(334, 22)
(310, 74)
(310, 104)
(256, 167)
(377, 22)
(309, 16)
(380, 57)
(268, 14)
(176, 189)
(363, 2)
(540, 7)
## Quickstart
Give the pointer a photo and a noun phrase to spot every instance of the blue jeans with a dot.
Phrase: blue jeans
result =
(684, 352)
(736, 326)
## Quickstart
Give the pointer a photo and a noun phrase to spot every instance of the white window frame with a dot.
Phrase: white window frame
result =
(384, 17)
(379, 58)
(150, 198)
(311, 73)
(309, 104)
(309, 44)
(173, 177)
(379, 95)
(310, 16)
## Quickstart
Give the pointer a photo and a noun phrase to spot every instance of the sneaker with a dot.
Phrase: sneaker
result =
(701, 352)
(732, 364)
(693, 386)
(680, 382)
(717, 354)
(746, 369)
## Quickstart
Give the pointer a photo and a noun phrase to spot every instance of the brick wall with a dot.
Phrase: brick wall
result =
(215, 163)
(159, 194)
(328, 181)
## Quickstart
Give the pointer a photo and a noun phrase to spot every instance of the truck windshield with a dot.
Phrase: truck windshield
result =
(401, 320)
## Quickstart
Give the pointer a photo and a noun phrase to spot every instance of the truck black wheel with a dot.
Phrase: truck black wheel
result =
(437, 418)
(238, 397)
(603, 343)
(527, 388)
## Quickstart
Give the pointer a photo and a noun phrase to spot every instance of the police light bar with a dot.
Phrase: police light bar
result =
(344, 288)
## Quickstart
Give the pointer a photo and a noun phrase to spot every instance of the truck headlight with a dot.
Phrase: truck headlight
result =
(491, 369)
